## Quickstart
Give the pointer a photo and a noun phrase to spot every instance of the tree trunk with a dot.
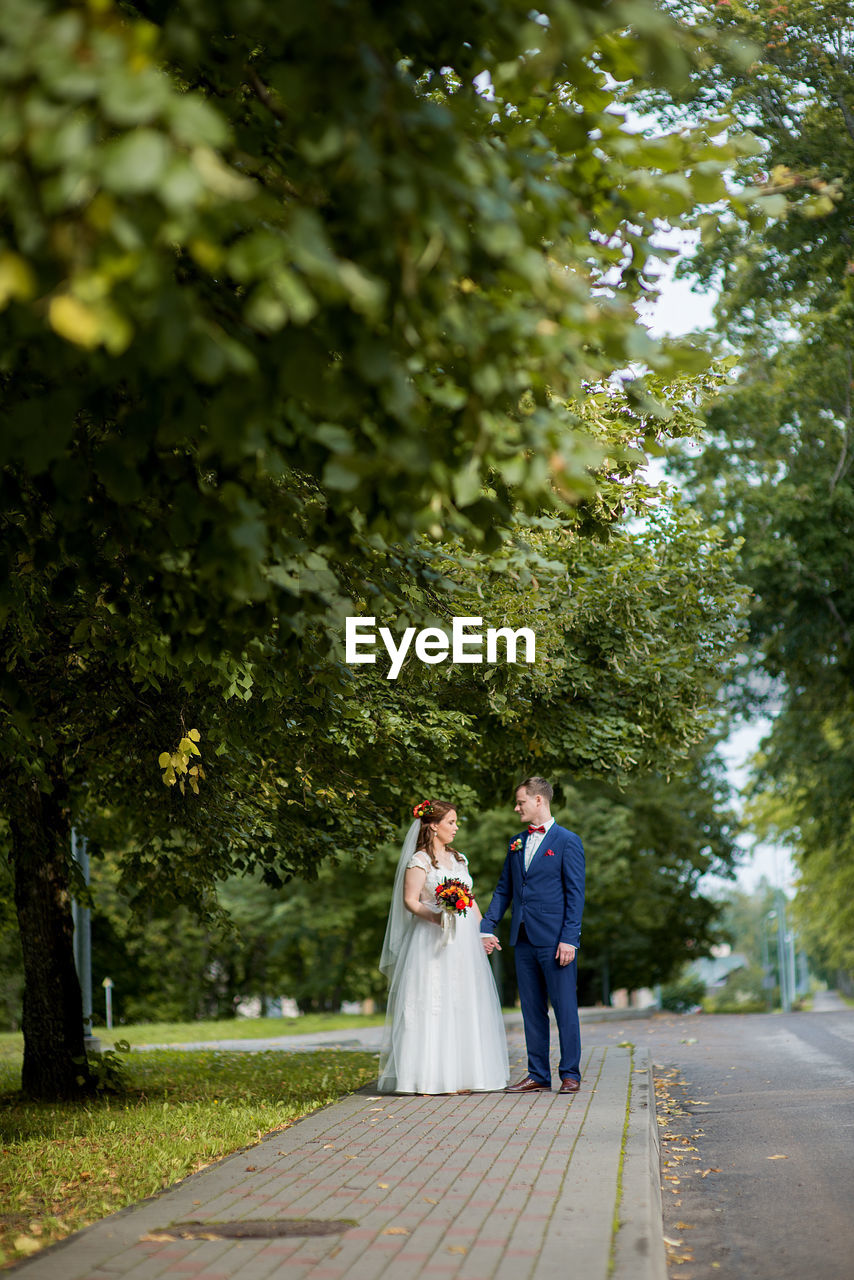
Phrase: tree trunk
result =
(54, 1051)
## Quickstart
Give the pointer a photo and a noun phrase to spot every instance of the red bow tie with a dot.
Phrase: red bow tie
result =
(533, 830)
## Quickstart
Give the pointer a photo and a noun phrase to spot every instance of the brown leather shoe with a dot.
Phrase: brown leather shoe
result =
(528, 1085)
(569, 1084)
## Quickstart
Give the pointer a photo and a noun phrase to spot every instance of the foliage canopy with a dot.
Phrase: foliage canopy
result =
(290, 326)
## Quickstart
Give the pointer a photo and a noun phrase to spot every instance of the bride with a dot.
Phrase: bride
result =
(444, 1032)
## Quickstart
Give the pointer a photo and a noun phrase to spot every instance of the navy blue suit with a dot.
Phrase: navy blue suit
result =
(547, 902)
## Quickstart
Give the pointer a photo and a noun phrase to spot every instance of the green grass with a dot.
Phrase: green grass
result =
(63, 1165)
(144, 1033)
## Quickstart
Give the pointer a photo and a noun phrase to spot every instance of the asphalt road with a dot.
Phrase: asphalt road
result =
(758, 1142)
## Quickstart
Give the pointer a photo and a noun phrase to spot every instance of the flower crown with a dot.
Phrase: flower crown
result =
(422, 809)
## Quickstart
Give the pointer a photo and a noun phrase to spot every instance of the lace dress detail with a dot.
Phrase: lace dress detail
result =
(444, 1030)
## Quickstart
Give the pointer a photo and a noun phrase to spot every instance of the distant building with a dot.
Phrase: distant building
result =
(713, 971)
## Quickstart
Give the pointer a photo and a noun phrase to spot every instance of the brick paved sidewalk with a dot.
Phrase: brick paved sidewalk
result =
(480, 1187)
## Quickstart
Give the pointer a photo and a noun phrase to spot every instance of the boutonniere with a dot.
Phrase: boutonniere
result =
(516, 845)
(550, 853)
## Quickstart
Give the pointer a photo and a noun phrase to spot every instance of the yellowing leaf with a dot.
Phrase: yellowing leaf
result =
(16, 279)
(164, 759)
(396, 1231)
(73, 320)
(194, 735)
(776, 1157)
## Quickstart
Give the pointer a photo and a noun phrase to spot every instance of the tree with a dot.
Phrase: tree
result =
(286, 326)
(778, 468)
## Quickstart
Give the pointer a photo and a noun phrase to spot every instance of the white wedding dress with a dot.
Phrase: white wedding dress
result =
(444, 1031)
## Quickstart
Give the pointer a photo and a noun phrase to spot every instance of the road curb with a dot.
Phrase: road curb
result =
(639, 1243)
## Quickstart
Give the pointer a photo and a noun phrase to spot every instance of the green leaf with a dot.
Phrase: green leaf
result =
(135, 97)
(135, 163)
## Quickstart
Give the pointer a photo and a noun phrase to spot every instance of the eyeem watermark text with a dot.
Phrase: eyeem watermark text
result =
(432, 645)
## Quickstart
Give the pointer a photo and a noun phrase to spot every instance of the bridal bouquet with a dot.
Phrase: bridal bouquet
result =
(453, 897)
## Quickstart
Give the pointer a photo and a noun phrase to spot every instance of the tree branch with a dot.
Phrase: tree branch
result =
(842, 464)
(846, 114)
(264, 95)
(846, 634)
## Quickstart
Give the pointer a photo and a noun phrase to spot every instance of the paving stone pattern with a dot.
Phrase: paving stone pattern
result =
(475, 1187)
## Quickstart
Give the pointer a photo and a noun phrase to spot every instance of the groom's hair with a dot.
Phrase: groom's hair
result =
(538, 787)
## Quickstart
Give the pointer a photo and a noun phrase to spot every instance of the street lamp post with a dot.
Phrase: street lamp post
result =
(768, 980)
(107, 984)
(782, 956)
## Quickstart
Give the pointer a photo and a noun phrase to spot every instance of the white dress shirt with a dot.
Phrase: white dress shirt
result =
(535, 839)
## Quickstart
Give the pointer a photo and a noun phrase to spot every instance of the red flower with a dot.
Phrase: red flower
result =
(454, 897)
(550, 853)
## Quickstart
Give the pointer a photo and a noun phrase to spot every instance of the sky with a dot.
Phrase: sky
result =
(679, 311)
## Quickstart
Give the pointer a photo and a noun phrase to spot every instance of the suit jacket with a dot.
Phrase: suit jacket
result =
(548, 898)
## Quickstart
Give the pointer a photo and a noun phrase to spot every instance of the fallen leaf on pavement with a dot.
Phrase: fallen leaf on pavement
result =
(674, 1244)
(776, 1157)
(396, 1231)
(706, 1172)
(384, 1185)
(457, 1248)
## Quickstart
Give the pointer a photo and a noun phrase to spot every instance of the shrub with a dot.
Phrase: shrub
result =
(742, 992)
(683, 995)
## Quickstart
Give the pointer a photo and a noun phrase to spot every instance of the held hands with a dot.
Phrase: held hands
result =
(565, 953)
(490, 944)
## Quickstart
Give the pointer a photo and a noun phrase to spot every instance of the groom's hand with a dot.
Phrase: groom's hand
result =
(565, 953)
(490, 943)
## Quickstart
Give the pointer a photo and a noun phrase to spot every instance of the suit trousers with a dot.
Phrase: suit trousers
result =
(542, 981)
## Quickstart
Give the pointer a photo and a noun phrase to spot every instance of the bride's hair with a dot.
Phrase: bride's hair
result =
(436, 811)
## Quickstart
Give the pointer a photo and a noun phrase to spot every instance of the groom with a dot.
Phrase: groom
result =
(543, 877)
